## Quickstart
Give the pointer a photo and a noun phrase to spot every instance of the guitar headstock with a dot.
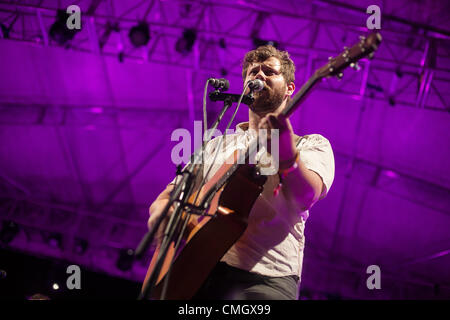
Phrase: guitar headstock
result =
(335, 66)
(350, 57)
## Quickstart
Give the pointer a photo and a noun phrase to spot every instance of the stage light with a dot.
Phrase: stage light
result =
(126, 258)
(222, 43)
(257, 42)
(140, 35)
(38, 296)
(59, 31)
(4, 31)
(80, 246)
(186, 42)
(55, 286)
(55, 240)
(121, 56)
(9, 231)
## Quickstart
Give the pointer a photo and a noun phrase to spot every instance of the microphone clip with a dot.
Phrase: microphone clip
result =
(219, 84)
(220, 96)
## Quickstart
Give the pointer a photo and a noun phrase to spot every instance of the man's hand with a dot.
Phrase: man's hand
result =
(287, 150)
(156, 210)
(303, 184)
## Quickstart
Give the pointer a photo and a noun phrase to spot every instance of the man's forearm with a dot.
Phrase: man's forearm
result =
(303, 185)
(158, 205)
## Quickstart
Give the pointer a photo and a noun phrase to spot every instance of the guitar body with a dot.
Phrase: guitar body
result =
(209, 238)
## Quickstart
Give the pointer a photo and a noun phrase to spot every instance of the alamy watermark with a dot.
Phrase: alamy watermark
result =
(374, 21)
(74, 280)
(74, 20)
(374, 281)
(181, 152)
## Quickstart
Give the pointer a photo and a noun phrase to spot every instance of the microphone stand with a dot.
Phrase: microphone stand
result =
(220, 96)
(180, 195)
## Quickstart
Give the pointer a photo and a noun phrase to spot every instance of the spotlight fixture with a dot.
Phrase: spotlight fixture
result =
(121, 56)
(38, 296)
(222, 43)
(126, 258)
(4, 31)
(80, 246)
(54, 240)
(9, 231)
(257, 42)
(59, 31)
(186, 42)
(140, 35)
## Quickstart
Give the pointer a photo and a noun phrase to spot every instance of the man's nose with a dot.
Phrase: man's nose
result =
(260, 75)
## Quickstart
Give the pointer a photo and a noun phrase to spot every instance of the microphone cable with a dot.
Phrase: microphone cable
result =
(188, 214)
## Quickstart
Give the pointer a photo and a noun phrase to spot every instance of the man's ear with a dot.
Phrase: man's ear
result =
(290, 88)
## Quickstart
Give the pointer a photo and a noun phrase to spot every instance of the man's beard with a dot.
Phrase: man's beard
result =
(267, 100)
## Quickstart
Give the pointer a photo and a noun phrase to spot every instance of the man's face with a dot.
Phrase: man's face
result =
(275, 88)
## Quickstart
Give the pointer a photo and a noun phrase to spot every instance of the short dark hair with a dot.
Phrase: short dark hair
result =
(263, 53)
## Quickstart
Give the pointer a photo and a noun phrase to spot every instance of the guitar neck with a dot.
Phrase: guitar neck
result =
(334, 67)
(300, 96)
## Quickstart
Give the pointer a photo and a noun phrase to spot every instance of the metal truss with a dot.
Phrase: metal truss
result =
(69, 232)
(415, 55)
(90, 117)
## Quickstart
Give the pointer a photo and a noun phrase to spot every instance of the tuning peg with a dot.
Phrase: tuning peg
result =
(345, 56)
(346, 51)
(330, 58)
(339, 75)
(355, 66)
(370, 56)
(362, 38)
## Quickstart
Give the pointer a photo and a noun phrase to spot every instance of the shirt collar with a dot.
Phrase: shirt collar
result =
(243, 126)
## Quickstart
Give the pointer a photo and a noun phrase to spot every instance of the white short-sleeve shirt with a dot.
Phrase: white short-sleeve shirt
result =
(274, 240)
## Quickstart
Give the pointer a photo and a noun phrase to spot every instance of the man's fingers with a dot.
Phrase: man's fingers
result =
(274, 123)
(263, 124)
(278, 122)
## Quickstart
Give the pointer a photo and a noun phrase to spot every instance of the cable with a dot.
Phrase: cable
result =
(188, 214)
(220, 142)
(205, 116)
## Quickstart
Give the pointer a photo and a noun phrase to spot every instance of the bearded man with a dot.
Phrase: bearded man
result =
(266, 261)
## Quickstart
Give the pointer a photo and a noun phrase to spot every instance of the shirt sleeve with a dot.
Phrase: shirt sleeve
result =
(317, 155)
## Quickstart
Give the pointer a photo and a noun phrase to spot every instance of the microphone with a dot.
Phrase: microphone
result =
(220, 84)
(255, 85)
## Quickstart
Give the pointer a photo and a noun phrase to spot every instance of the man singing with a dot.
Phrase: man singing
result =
(266, 261)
